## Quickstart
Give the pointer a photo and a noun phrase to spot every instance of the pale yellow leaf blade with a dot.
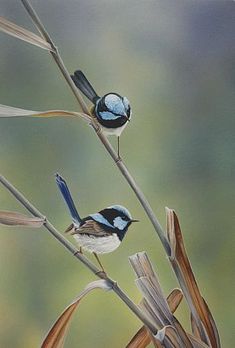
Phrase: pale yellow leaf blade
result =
(10, 111)
(11, 218)
(57, 334)
(23, 34)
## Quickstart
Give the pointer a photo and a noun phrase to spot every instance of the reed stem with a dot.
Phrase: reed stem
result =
(117, 160)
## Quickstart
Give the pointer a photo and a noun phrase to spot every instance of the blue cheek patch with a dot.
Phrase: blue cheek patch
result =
(106, 115)
(99, 218)
(119, 223)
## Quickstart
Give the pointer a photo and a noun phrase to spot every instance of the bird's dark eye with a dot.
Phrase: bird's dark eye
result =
(128, 111)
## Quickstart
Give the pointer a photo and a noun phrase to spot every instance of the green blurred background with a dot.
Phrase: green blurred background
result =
(174, 60)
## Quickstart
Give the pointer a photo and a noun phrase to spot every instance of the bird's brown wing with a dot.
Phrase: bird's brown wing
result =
(91, 227)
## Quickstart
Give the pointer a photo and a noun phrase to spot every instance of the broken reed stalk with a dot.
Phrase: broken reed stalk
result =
(118, 161)
(81, 257)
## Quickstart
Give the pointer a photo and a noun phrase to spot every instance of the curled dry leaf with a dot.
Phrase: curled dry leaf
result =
(57, 334)
(10, 111)
(11, 218)
(23, 34)
(203, 319)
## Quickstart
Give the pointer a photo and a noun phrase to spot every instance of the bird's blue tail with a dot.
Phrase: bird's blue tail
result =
(61, 183)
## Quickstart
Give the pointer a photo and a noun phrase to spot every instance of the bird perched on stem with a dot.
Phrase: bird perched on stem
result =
(112, 111)
(97, 233)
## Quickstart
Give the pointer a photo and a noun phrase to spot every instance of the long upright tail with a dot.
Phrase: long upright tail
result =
(84, 85)
(61, 183)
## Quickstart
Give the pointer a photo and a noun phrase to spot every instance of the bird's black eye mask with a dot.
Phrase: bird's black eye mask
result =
(111, 214)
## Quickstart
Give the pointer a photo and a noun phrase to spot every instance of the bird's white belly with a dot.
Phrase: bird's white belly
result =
(114, 131)
(99, 245)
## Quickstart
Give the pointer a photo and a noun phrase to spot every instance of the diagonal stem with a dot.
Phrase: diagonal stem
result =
(121, 166)
(81, 257)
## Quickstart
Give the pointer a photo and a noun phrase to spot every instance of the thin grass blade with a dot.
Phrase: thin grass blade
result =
(15, 30)
(11, 218)
(57, 334)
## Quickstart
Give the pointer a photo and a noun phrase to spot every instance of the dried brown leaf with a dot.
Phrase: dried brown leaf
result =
(212, 321)
(23, 34)
(11, 218)
(180, 262)
(149, 285)
(194, 327)
(186, 342)
(169, 337)
(157, 343)
(143, 338)
(197, 343)
(154, 303)
(57, 334)
(174, 299)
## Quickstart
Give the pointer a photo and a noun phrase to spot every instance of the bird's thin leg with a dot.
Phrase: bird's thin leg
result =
(98, 260)
(80, 250)
(118, 147)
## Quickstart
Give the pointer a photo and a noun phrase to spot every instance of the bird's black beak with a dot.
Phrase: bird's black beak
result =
(127, 118)
(134, 220)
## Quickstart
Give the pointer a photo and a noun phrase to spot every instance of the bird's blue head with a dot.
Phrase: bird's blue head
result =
(115, 217)
(112, 110)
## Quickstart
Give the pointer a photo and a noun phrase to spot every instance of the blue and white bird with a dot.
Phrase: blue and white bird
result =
(112, 111)
(97, 233)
